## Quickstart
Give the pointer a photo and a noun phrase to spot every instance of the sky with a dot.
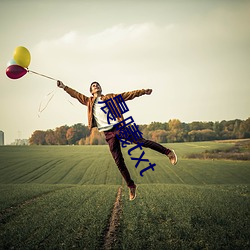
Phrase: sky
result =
(195, 55)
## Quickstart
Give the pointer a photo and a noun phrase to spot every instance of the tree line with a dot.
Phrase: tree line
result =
(172, 131)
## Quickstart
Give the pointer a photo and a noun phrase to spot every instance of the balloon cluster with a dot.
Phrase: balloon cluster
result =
(18, 65)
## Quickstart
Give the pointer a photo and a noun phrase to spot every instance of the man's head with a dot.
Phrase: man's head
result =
(95, 87)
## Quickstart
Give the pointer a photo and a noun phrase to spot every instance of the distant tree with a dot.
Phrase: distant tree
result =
(185, 130)
(196, 126)
(175, 133)
(217, 129)
(244, 129)
(50, 137)
(38, 138)
(96, 137)
(60, 134)
(82, 131)
(175, 124)
(209, 125)
(236, 128)
(145, 131)
(156, 126)
(82, 142)
(159, 135)
(76, 133)
(202, 135)
(86, 141)
(70, 136)
(94, 141)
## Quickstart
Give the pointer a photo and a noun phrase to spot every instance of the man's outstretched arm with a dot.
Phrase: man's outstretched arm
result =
(136, 93)
(80, 97)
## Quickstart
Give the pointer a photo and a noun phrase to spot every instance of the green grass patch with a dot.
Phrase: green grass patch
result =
(67, 218)
(12, 195)
(239, 151)
(61, 197)
(187, 217)
(58, 165)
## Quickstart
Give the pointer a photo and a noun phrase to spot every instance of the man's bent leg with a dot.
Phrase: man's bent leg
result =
(153, 145)
(159, 148)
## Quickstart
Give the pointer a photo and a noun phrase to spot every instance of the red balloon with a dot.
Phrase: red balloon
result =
(15, 71)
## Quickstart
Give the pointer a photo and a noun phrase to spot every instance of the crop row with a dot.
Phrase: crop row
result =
(94, 165)
(187, 217)
(65, 218)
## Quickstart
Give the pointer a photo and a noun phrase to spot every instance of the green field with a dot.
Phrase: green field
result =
(62, 197)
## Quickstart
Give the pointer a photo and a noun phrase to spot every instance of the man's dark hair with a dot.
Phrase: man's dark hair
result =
(91, 86)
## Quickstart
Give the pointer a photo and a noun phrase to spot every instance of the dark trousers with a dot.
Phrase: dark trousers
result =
(115, 149)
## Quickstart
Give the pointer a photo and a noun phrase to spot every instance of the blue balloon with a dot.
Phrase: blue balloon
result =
(11, 62)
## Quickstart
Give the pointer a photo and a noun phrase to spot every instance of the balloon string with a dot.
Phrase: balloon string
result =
(31, 71)
(50, 96)
(71, 103)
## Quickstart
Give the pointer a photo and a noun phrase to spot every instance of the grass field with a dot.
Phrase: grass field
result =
(62, 197)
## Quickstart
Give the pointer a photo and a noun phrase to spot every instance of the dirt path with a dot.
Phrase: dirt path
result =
(111, 235)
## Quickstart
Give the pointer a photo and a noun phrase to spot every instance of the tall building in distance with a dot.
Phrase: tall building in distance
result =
(1, 138)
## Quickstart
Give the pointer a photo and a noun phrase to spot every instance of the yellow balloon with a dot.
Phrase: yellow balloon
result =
(22, 56)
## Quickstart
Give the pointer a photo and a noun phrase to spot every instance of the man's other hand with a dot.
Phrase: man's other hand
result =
(148, 91)
(60, 84)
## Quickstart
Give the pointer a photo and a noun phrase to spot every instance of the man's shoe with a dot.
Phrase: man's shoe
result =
(132, 193)
(172, 157)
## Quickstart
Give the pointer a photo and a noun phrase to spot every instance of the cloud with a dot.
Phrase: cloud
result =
(119, 35)
(109, 37)
(116, 45)
(68, 38)
(201, 41)
(116, 39)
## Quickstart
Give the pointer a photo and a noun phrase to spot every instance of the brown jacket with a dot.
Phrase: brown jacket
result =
(89, 101)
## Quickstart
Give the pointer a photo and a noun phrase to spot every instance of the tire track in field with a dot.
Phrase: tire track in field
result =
(46, 166)
(17, 164)
(176, 175)
(112, 229)
(48, 169)
(84, 181)
(69, 170)
(6, 214)
(195, 178)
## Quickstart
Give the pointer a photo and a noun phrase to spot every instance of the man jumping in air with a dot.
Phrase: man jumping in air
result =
(98, 118)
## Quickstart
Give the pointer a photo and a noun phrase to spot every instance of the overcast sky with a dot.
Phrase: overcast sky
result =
(195, 55)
